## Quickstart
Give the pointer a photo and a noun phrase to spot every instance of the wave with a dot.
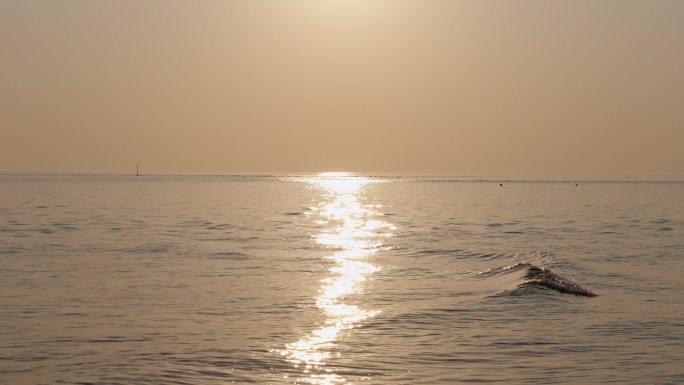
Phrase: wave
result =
(510, 272)
(544, 277)
(521, 275)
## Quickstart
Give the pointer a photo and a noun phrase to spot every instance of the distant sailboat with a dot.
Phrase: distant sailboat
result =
(137, 169)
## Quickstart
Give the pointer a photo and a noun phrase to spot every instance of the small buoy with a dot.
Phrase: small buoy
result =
(500, 184)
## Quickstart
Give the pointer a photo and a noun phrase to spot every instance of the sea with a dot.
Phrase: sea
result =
(338, 278)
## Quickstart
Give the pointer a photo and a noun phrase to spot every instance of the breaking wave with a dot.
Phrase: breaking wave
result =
(521, 275)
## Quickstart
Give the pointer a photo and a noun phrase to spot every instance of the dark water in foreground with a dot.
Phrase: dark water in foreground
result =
(331, 280)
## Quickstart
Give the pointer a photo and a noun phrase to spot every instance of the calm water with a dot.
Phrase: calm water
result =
(331, 280)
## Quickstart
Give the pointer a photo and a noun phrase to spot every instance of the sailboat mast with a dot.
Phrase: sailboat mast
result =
(137, 173)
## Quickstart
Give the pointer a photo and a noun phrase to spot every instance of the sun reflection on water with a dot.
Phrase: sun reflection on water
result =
(353, 230)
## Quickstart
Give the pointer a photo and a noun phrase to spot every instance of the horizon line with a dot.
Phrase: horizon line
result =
(395, 175)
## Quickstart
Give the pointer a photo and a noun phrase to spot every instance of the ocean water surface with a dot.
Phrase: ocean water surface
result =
(338, 279)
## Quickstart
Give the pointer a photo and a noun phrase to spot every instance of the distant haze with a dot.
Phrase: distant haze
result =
(491, 88)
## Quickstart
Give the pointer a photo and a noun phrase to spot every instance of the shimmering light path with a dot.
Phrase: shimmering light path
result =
(353, 230)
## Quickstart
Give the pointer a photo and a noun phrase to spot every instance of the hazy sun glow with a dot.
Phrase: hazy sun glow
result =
(336, 174)
(355, 235)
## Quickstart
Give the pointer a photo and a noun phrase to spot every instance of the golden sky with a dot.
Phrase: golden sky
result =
(522, 88)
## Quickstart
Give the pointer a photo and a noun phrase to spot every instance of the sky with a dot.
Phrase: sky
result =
(525, 88)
